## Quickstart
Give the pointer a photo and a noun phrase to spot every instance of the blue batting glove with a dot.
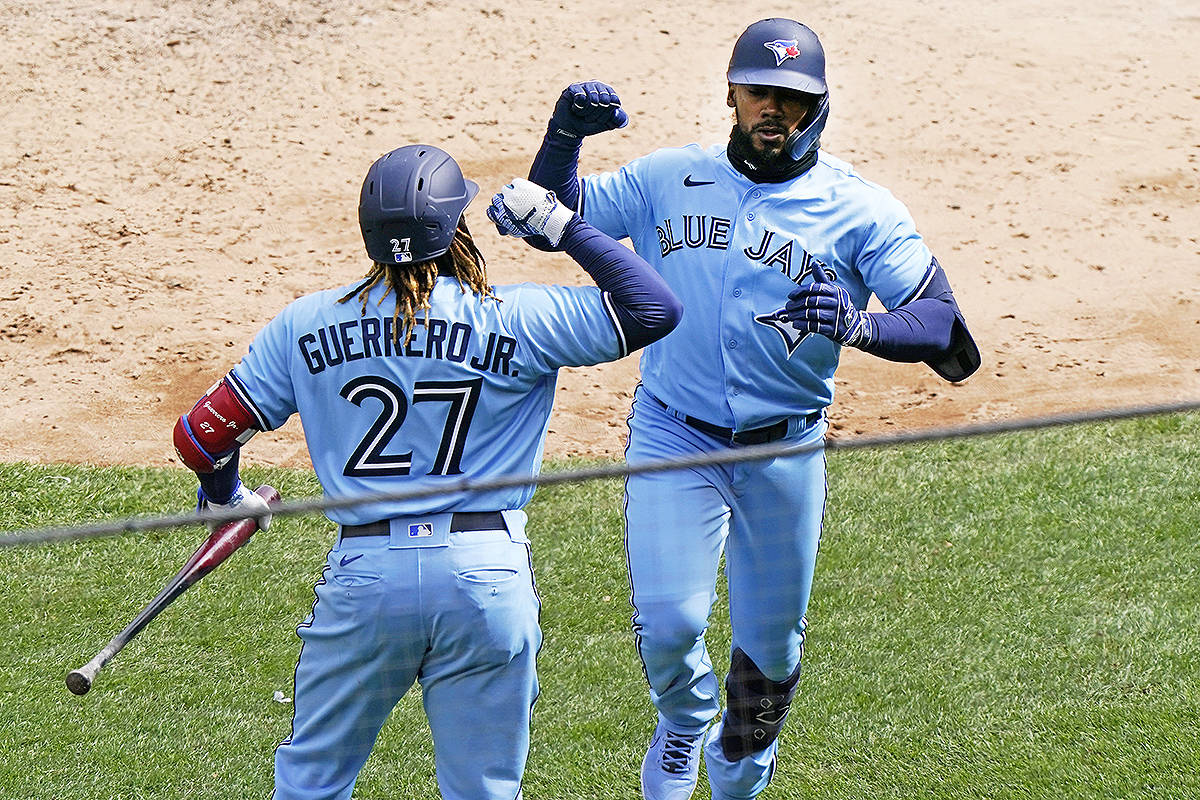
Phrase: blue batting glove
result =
(587, 108)
(826, 308)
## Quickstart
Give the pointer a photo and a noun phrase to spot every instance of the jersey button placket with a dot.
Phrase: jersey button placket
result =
(741, 269)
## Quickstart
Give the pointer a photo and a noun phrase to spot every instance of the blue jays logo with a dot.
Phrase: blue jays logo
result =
(791, 337)
(783, 49)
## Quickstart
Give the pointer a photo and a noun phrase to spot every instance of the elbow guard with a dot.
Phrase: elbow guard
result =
(208, 435)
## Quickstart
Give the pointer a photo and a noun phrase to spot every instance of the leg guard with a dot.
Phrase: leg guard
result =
(756, 709)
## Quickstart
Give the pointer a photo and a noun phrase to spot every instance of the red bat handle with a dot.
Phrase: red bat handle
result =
(224, 540)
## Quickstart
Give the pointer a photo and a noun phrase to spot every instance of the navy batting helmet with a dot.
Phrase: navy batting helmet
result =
(411, 202)
(786, 54)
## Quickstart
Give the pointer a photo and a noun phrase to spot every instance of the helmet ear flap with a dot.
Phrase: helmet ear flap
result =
(804, 140)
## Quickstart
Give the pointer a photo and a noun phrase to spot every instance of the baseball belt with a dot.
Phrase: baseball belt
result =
(763, 435)
(460, 522)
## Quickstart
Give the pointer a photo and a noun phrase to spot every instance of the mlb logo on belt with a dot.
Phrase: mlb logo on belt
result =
(420, 530)
(783, 49)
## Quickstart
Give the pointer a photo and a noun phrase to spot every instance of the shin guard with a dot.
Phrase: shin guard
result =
(756, 707)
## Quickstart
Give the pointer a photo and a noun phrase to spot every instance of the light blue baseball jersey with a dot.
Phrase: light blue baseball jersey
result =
(469, 394)
(732, 250)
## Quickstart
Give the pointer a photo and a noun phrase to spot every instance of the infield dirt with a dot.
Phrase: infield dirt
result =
(174, 173)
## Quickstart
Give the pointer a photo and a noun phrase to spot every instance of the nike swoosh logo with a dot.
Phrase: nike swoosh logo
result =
(689, 182)
(347, 559)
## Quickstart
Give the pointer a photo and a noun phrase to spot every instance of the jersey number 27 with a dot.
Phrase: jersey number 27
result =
(369, 459)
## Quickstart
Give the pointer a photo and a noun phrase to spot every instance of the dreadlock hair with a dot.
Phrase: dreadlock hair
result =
(413, 283)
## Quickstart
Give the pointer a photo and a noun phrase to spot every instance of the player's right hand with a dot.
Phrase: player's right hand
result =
(243, 500)
(522, 208)
(586, 108)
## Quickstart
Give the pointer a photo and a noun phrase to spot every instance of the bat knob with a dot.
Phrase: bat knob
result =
(268, 493)
(78, 682)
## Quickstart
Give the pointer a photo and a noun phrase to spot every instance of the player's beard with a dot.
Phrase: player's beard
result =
(774, 167)
(763, 157)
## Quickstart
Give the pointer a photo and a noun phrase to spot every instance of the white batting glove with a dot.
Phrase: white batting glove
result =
(243, 500)
(523, 208)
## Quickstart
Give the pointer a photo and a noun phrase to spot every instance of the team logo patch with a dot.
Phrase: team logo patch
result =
(783, 49)
(420, 530)
(791, 337)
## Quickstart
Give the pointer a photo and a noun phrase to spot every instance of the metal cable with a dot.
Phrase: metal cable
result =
(731, 456)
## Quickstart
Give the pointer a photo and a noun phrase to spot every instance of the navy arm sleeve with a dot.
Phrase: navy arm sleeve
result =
(929, 328)
(220, 484)
(643, 304)
(556, 167)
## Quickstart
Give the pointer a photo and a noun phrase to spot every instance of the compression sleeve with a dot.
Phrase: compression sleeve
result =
(929, 328)
(220, 484)
(645, 307)
(556, 167)
(913, 332)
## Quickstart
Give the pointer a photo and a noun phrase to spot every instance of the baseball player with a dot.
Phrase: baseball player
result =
(418, 376)
(774, 246)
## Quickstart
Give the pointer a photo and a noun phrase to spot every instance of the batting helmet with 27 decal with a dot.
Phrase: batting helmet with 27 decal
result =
(411, 202)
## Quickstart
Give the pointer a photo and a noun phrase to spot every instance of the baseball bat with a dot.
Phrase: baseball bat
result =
(208, 556)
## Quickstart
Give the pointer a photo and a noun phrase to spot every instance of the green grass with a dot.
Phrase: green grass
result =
(1009, 617)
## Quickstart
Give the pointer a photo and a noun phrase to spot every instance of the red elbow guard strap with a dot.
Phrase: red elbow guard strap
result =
(216, 426)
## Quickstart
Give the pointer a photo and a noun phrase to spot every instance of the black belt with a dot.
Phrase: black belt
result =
(460, 522)
(763, 435)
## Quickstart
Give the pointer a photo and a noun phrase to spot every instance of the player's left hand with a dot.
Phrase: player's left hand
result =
(243, 500)
(826, 308)
(522, 208)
